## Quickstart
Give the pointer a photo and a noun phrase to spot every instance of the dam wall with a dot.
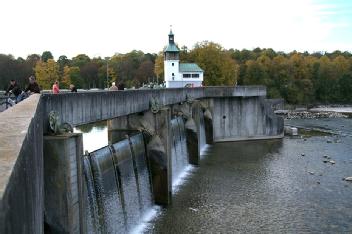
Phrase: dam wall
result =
(209, 114)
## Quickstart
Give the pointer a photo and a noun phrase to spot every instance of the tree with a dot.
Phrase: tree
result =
(47, 73)
(89, 73)
(145, 72)
(46, 56)
(219, 68)
(159, 66)
(75, 77)
(66, 78)
(80, 60)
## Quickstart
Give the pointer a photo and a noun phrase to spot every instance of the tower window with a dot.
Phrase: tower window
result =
(173, 74)
(172, 64)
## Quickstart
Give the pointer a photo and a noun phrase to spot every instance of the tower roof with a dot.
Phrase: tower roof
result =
(171, 47)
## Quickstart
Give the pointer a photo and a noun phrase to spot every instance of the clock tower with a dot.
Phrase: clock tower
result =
(171, 62)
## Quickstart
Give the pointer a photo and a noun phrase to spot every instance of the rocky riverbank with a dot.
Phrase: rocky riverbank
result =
(313, 115)
(317, 112)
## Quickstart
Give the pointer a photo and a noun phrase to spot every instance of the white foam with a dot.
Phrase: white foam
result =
(181, 178)
(205, 149)
(151, 214)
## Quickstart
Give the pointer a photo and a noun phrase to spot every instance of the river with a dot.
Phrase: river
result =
(274, 186)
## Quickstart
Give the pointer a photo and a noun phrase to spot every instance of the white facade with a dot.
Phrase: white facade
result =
(171, 71)
(178, 75)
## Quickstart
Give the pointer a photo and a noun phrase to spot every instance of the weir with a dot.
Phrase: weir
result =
(154, 135)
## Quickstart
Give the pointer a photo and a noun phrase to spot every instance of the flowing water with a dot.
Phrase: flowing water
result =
(273, 186)
(118, 186)
(268, 187)
(118, 183)
(179, 154)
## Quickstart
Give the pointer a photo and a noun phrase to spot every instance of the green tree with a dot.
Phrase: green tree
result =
(46, 56)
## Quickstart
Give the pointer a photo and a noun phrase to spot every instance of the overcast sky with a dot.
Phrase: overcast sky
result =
(105, 27)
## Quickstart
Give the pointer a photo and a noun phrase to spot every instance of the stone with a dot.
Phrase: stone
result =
(332, 162)
(329, 141)
(348, 179)
(310, 172)
(302, 154)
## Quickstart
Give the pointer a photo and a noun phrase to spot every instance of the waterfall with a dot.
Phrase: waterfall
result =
(202, 136)
(108, 191)
(179, 154)
(118, 186)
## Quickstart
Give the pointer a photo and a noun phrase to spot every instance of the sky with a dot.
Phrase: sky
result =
(105, 27)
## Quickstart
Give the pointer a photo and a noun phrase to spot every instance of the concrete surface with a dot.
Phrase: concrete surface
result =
(63, 183)
(244, 118)
(21, 168)
(89, 107)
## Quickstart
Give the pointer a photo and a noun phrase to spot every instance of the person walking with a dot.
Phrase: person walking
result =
(56, 89)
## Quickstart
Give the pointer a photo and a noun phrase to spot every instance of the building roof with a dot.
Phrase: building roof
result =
(190, 67)
(171, 47)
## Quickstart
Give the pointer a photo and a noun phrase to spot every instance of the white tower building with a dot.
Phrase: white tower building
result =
(178, 75)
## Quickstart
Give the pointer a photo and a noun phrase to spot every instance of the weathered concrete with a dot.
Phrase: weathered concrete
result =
(156, 128)
(244, 118)
(83, 108)
(208, 125)
(21, 168)
(63, 184)
(192, 141)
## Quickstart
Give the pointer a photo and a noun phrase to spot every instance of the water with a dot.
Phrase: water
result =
(118, 182)
(118, 187)
(95, 136)
(267, 187)
(179, 154)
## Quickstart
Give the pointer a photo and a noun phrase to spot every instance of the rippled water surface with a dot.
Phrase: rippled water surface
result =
(268, 187)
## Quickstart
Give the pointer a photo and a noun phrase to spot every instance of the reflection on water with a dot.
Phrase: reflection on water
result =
(95, 136)
(267, 187)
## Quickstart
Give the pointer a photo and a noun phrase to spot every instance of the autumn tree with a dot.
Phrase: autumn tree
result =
(46, 73)
(219, 67)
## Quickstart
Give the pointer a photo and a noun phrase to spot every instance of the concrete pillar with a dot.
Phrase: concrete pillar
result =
(208, 125)
(63, 184)
(192, 142)
(160, 160)
(118, 128)
(156, 129)
(188, 111)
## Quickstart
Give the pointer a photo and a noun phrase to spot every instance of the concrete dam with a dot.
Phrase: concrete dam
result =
(49, 184)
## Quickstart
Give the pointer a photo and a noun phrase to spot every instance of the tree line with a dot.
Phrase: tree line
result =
(299, 78)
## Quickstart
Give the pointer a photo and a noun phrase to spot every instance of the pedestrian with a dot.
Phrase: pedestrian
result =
(73, 88)
(16, 90)
(121, 86)
(113, 87)
(56, 88)
(33, 86)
